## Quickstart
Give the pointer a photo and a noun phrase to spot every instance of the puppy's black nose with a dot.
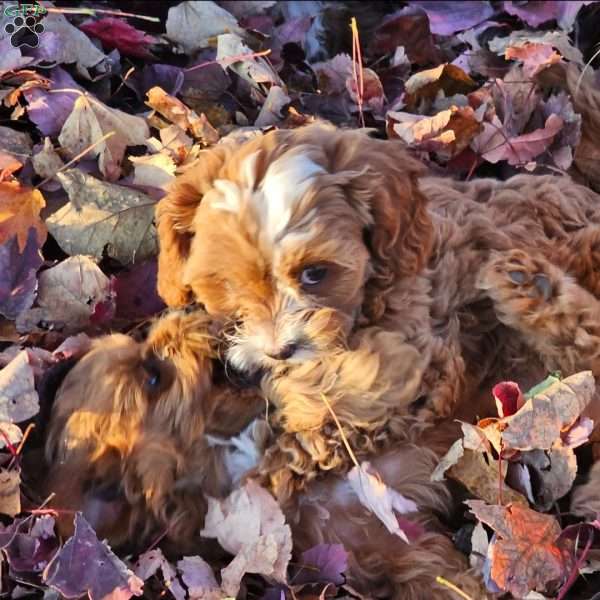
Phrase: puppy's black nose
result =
(284, 352)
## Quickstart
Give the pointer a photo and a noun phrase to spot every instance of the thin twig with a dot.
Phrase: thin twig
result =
(230, 59)
(339, 426)
(575, 571)
(76, 158)
(357, 73)
(443, 581)
(93, 11)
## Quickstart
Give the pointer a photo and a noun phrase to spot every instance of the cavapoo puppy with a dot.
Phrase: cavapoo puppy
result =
(141, 432)
(298, 240)
(128, 438)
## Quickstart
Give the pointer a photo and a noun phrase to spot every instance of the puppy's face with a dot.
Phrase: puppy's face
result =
(129, 422)
(291, 238)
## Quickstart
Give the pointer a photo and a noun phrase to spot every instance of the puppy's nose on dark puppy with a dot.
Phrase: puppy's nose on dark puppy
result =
(284, 352)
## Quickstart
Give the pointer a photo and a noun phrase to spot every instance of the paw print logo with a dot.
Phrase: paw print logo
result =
(24, 31)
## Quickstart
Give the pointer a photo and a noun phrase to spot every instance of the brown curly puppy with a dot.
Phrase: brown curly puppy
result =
(127, 439)
(141, 432)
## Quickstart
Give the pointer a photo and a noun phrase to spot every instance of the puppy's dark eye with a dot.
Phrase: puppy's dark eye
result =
(313, 275)
(152, 374)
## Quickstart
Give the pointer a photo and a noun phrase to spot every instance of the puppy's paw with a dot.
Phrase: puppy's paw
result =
(520, 284)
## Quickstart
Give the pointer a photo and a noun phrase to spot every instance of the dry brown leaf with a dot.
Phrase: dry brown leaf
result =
(89, 120)
(154, 170)
(426, 85)
(178, 113)
(18, 398)
(250, 525)
(380, 499)
(10, 492)
(20, 208)
(484, 478)
(454, 454)
(69, 295)
(535, 57)
(47, 162)
(539, 423)
(104, 218)
(524, 557)
(270, 112)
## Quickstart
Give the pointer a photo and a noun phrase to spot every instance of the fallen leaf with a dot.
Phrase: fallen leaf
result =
(199, 579)
(89, 121)
(381, 500)
(445, 18)
(75, 46)
(447, 133)
(521, 149)
(231, 51)
(535, 57)
(479, 546)
(15, 142)
(167, 77)
(454, 454)
(324, 563)
(557, 39)
(484, 478)
(18, 281)
(536, 13)
(524, 556)
(20, 208)
(136, 292)
(373, 96)
(579, 433)
(553, 472)
(270, 112)
(103, 218)
(426, 85)
(73, 346)
(177, 112)
(10, 492)
(32, 547)
(193, 24)
(119, 34)
(539, 423)
(250, 525)
(148, 564)
(49, 108)
(47, 162)
(18, 398)
(84, 565)
(569, 138)
(154, 170)
(9, 434)
(509, 398)
(69, 295)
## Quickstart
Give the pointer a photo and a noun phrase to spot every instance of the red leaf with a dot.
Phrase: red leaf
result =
(116, 33)
(508, 397)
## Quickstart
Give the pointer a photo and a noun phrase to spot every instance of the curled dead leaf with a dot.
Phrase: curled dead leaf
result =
(20, 208)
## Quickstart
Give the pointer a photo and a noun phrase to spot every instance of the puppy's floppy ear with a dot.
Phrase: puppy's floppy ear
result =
(175, 223)
(400, 231)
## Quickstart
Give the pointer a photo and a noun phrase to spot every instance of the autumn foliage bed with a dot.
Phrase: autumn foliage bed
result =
(116, 99)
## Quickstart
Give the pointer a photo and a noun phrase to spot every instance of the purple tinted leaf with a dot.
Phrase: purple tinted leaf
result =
(294, 30)
(85, 565)
(198, 577)
(168, 77)
(29, 554)
(325, 563)
(536, 13)
(48, 49)
(47, 110)
(136, 292)
(446, 18)
(206, 82)
(18, 275)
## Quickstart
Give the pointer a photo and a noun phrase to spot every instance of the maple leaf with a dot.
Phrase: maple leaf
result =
(445, 18)
(104, 218)
(199, 579)
(117, 33)
(85, 565)
(324, 563)
(250, 525)
(524, 556)
(89, 120)
(20, 208)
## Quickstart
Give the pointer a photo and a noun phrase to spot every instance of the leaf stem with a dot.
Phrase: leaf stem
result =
(339, 426)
